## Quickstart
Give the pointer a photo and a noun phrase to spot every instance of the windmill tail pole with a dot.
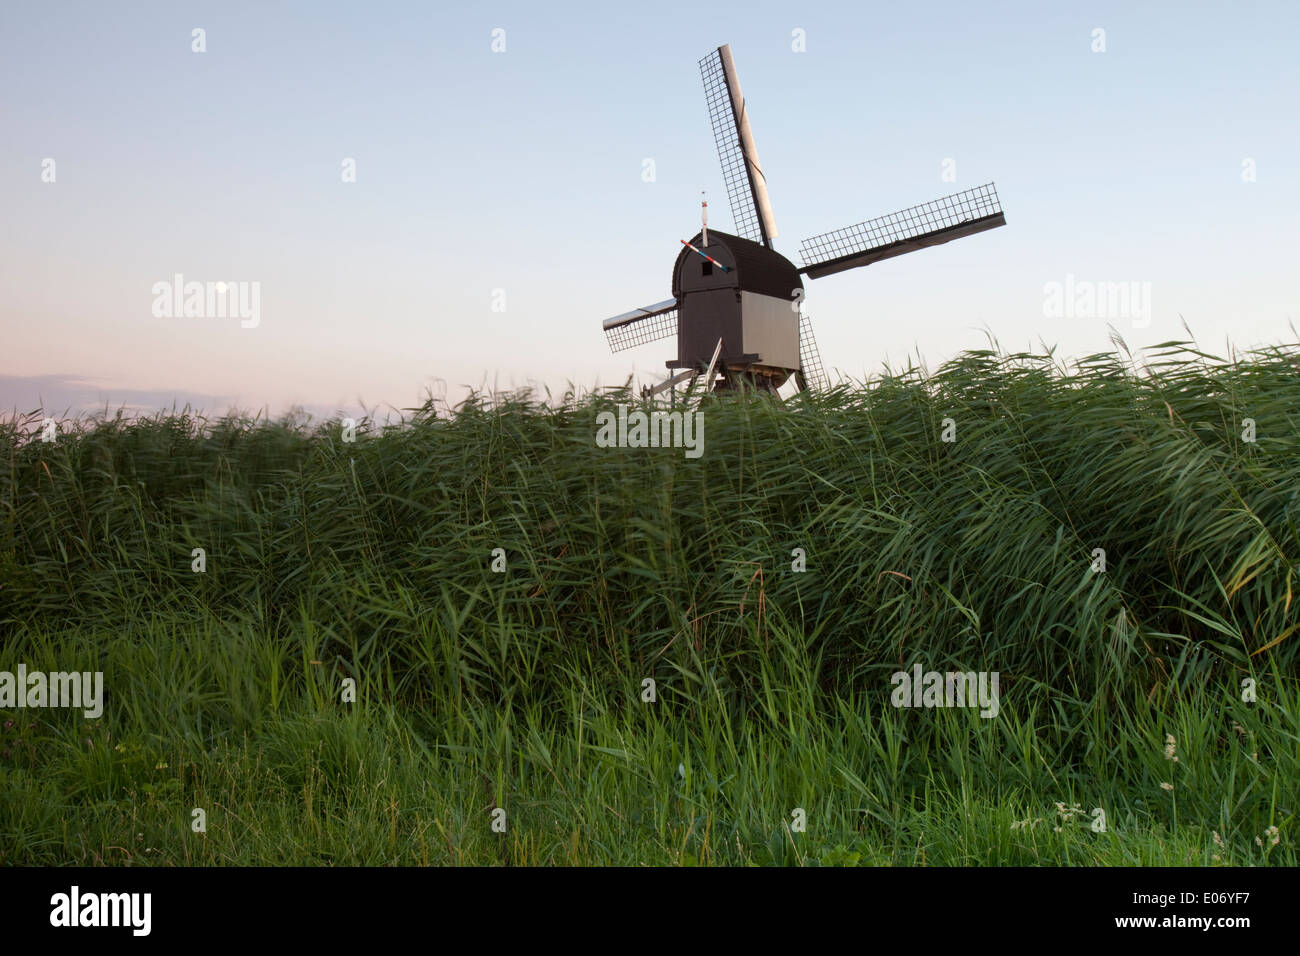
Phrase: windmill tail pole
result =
(710, 258)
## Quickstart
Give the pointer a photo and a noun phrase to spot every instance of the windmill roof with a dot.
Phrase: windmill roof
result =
(758, 268)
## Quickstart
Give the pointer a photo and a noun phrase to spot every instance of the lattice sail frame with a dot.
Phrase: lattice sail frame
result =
(916, 222)
(739, 170)
(629, 331)
(810, 357)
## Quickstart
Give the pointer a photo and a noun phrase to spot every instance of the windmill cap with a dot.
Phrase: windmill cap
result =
(758, 269)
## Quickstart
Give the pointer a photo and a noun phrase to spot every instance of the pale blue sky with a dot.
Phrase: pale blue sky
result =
(522, 171)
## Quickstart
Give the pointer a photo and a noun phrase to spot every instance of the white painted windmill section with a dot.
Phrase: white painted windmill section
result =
(758, 182)
(771, 330)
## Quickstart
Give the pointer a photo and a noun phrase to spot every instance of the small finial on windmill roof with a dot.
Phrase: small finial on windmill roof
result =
(704, 220)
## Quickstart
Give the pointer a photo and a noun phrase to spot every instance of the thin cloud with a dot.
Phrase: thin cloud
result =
(70, 394)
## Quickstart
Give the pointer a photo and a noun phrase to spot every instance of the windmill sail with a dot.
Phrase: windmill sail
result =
(751, 210)
(640, 326)
(810, 358)
(930, 224)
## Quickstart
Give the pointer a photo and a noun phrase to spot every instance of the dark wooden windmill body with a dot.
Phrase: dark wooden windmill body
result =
(736, 306)
(749, 306)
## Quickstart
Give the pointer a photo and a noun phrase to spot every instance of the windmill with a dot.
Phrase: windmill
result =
(736, 301)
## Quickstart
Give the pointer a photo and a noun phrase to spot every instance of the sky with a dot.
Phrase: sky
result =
(420, 213)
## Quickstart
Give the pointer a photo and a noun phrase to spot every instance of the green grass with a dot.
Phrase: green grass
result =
(476, 690)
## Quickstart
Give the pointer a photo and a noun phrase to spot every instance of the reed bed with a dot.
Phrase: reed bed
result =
(371, 560)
